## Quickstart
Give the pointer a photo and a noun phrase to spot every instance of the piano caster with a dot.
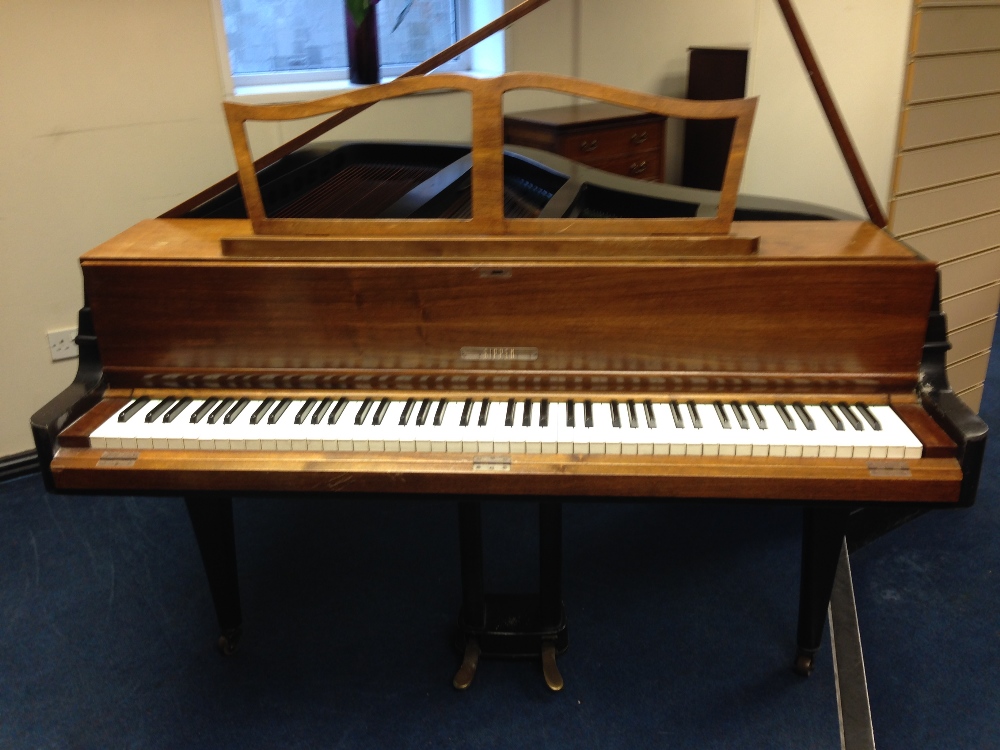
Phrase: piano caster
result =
(229, 641)
(470, 662)
(804, 663)
(549, 669)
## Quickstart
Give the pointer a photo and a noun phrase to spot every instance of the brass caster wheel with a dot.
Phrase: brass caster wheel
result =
(804, 664)
(229, 641)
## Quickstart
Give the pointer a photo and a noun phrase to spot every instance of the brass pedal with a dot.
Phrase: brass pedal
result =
(549, 669)
(466, 672)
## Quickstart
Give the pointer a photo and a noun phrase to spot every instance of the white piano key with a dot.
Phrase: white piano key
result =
(112, 434)
(900, 441)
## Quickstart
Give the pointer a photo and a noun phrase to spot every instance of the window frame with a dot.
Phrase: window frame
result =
(321, 79)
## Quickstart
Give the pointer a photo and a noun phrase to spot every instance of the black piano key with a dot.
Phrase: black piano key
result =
(650, 417)
(261, 410)
(695, 418)
(526, 419)
(675, 412)
(588, 413)
(366, 406)
(337, 410)
(785, 416)
(837, 422)
(425, 409)
(220, 410)
(616, 420)
(321, 410)
(130, 411)
(303, 413)
(723, 418)
(201, 411)
(235, 412)
(800, 409)
(741, 418)
(175, 410)
(404, 418)
(484, 412)
(757, 414)
(439, 414)
(850, 416)
(543, 413)
(508, 420)
(157, 411)
(570, 413)
(633, 418)
(870, 418)
(383, 407)
(278, 410)
(466, 412)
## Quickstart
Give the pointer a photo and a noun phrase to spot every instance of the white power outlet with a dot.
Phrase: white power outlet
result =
(62, 344)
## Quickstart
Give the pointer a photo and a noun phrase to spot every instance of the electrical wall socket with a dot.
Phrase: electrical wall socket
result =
(62, 344)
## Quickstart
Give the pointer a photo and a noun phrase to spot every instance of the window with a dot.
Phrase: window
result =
(300, 41)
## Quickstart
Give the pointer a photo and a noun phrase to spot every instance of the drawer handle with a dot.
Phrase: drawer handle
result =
(588, 146)
(638, 138)
(638, 167)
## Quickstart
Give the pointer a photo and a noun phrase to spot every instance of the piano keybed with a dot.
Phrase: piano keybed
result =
(478, 425)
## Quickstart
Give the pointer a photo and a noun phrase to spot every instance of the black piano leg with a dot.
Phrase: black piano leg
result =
(470, 542)
(212, 521)
(823, 531)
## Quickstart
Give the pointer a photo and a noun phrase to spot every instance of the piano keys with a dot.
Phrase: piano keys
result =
(483, 424)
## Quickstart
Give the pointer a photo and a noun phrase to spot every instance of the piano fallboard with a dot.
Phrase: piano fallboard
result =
(819, 302)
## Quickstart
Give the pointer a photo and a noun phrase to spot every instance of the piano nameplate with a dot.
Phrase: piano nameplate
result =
(499, 353)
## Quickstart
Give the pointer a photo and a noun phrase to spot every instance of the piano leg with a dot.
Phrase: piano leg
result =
(212, 521)
(521, 626)
(823, 532)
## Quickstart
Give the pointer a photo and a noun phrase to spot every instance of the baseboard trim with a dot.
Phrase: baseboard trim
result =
(19, 465)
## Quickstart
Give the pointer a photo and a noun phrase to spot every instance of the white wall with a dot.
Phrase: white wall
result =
(109, 113)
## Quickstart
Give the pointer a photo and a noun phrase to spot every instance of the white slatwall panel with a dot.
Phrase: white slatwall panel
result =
(946, 190)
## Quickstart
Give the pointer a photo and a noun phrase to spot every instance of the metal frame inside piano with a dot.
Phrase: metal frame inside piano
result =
(609, 303)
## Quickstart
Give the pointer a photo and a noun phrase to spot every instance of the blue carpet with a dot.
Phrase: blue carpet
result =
(928, 598)
(682, 624)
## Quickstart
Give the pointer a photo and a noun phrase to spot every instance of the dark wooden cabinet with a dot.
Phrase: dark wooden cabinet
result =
(615, 139)
(713, 73)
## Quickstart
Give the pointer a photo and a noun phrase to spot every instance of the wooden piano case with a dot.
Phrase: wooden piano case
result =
(457, 258)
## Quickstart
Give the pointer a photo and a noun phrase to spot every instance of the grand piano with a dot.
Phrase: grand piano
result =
(470, 322)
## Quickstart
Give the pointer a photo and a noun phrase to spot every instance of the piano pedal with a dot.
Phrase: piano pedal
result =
(513, 627)
(549, 668)
(229, 641)
(466, 672)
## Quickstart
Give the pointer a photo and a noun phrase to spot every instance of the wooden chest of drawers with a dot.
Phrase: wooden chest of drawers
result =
(616, 139)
